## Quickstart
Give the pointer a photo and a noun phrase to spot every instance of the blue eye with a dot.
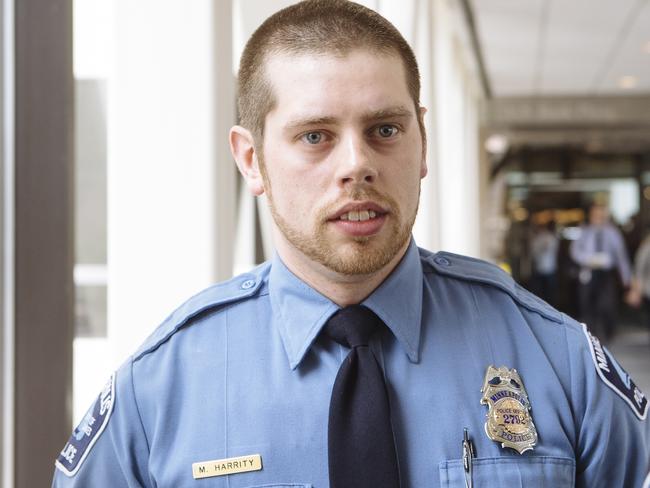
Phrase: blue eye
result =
(386, 131)
(313, 137)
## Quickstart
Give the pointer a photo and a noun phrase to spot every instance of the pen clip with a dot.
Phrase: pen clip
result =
(468, 455)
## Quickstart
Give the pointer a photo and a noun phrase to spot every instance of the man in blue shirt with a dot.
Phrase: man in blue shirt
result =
(601, 254)
(486, 384)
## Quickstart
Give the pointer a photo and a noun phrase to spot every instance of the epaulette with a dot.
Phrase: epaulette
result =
(479, 271)
(235, 289)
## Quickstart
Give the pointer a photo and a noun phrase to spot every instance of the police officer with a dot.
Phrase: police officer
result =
(353, 358)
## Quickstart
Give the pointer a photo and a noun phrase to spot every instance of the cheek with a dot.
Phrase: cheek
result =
(404, 175)
(405, 184)
(296, 193)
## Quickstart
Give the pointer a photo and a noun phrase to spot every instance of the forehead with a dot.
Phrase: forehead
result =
(361, 80)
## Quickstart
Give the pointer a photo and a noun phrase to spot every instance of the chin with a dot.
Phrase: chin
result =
(362, 259)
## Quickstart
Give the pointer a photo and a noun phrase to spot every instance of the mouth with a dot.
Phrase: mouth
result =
(362, 219)
(359, 212)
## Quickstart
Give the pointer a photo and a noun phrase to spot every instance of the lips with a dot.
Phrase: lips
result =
(363, 219)
(359, 212)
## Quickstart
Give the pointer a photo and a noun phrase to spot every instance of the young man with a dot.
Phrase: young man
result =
(601, 254)
(353, 358)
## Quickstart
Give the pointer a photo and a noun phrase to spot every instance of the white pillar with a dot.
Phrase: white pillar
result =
(171, 183)
(455, 123)
(244, 256)
(472, 167)
(224, 116)
(427, 225)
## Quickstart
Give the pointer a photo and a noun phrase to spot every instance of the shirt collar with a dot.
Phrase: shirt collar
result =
(299, 311)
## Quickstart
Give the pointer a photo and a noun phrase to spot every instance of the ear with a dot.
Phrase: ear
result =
(242, 146)
(423, 166)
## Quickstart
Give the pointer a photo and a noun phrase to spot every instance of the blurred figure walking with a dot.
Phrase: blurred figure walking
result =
(600, 252)
(543, 249)
(640, 288)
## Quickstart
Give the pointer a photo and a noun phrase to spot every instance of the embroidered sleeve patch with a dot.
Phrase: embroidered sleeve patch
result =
(83, 438)
(614, 376)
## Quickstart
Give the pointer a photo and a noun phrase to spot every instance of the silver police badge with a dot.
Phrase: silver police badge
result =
(508, 419)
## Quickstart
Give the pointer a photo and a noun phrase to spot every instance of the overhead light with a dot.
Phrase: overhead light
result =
(497, 144)
(627, 82)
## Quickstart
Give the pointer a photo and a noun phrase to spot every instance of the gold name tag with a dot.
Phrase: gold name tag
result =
(220, 467)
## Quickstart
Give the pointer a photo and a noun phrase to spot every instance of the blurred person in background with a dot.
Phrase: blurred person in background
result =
(640, 286)
(601, 254)
(543, 249)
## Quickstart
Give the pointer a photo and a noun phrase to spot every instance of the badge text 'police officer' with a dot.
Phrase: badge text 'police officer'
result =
(508, 419)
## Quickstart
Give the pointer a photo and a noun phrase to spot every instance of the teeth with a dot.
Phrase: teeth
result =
(361, 216)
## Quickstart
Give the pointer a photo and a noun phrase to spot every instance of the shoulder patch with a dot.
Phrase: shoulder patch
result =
(479, 271)
(83, 438)
(615, 377)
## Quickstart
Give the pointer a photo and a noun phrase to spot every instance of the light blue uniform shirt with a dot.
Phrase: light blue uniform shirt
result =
(240, 369)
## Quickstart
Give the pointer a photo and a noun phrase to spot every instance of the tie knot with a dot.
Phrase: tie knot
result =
(352, 326)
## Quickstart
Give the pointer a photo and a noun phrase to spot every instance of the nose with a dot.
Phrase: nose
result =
(355, 162)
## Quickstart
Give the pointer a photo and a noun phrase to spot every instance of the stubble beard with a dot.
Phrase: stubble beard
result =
(359, 255)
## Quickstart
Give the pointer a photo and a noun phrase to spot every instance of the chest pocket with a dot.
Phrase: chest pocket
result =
(282, 485)
(510, 472)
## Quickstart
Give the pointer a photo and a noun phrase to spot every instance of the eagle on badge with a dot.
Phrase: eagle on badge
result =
(508, 418)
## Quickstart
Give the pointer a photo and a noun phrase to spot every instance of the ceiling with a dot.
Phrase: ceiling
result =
(565, 47)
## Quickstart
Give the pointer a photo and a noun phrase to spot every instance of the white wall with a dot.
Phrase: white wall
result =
(171, 183)
(455, 127)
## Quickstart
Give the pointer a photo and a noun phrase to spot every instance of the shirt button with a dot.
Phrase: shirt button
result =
(248, 284)
(442, 261)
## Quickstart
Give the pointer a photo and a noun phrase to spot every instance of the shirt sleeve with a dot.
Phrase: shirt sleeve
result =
(109, 448)
(613, 443)
(641, 262)
(577, 249)
(622, 260)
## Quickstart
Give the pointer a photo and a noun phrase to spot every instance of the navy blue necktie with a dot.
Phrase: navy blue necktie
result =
(361, 446)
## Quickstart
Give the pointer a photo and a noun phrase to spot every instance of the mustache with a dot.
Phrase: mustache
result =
(368, 194)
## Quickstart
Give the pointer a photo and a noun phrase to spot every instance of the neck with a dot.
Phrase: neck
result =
(342, 289)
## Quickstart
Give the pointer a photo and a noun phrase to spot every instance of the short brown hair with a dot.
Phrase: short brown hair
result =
(314, 26)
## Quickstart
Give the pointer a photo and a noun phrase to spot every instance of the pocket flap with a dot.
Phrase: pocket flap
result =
(512, 472)
(282, 485)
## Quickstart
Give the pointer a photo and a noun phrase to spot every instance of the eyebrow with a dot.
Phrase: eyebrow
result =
(307, 121)
(388, 113)
(381, 114)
